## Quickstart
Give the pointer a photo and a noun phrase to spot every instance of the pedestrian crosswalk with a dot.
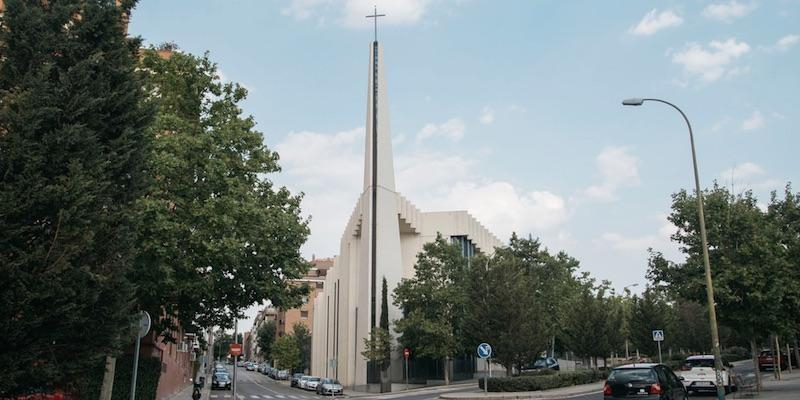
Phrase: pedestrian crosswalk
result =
(263, 396)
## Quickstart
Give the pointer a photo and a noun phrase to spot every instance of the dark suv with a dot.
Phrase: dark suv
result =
(644, 381)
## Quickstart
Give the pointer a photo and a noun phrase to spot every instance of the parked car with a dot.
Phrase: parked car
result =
(644, 381)
(697, 373)
(221, 380)
(542, 363)
(283, 374)
(330, 386)
(295, 379)
(250, 366)
(301, 383)
(766, 362)
(220, 368)
(312, 382)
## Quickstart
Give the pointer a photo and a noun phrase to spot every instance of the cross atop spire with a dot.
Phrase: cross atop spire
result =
(376, 15)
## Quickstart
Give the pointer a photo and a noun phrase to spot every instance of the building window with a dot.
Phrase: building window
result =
(303, 314)
(466, 245)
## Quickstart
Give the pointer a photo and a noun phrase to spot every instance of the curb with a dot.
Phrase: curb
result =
(543, 395)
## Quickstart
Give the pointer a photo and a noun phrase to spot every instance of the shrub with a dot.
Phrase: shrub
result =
(544, 381)
(735, 353)
(539, 372)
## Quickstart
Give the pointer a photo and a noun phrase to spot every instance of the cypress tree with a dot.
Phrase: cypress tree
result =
(72, 148)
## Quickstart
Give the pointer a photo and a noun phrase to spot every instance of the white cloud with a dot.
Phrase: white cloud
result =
(754, 122)
(501, 207)
(654, 21)
(749, 176)
(787, 42)
(728, 12)
(711, 63)
(745, 171)
(617, 168)
(487, 116)
(309, 156)
(659, 241)
(352, 13)
(452, 129)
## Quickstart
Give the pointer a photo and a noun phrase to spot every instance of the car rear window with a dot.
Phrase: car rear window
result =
(625, 375)
(707, 363)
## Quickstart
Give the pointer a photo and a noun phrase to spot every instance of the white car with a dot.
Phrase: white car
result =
(312, 383)
(698, 375)
(301, 383)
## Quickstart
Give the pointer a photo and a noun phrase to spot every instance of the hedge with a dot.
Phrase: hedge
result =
(146, 380)
(531, 383)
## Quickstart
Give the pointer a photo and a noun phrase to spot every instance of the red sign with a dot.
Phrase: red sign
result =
(406, 353)
(236, 349)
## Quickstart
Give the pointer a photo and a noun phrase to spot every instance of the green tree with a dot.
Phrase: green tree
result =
(72, 145)
(222, 344)
(651, 311)
(433, 303)
(266, 339)
(216, 234)
(286, 353)
(592, 310)
(748, 262)
(303, 338)
(518, 300)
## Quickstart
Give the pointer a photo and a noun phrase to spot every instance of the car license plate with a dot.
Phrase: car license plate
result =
(703, 384)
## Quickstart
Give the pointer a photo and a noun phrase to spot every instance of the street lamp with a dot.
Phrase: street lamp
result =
(712, 315)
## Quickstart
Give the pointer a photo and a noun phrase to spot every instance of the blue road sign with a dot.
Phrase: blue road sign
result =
(484, 350)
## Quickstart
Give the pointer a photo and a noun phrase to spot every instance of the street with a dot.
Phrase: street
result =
(253, 385)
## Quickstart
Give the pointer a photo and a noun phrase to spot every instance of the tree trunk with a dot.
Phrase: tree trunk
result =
(447, 371)
(108, 378)
(754, 352)
(796, 354)
(776, 358)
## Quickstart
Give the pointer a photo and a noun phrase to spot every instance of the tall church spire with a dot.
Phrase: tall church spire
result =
(377, 127)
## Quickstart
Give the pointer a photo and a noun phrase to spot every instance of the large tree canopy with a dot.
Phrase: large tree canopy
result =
(216, 235)
(72, 148)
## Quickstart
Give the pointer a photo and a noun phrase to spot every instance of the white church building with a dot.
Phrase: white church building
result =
(381, 240)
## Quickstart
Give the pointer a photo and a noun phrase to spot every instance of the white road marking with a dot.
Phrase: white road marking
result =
(213, 396)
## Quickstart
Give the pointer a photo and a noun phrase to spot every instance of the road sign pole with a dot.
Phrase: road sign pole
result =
(235, 358)
(659, 352)
(486, 378)
(406, 373)
(135, 367)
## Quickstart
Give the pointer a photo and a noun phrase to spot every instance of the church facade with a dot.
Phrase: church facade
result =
(382, 238)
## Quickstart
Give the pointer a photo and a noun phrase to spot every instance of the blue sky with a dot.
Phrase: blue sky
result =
(511, 109)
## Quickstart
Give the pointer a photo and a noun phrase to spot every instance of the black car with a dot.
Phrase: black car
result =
(295, 378)
(644, 381)
(542, 363)
(221, 380)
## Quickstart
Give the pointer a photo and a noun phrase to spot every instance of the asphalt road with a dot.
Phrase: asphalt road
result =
(255, 386)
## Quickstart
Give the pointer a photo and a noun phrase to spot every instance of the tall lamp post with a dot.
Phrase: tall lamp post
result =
(712, 314)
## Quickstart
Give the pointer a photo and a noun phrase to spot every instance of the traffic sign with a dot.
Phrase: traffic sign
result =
(144, 324)
(406, 353)
(484, 350)
(658, 336)
(236, 349)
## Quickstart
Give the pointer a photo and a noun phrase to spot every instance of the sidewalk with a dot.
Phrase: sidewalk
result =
(788, 388)
(186, 393)
(552, 394)
(418, 390)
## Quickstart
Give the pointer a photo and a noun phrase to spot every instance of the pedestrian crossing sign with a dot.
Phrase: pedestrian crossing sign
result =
(658, 336)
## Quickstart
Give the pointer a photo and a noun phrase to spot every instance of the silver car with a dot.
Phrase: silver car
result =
(330, 386)
(301, 383)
